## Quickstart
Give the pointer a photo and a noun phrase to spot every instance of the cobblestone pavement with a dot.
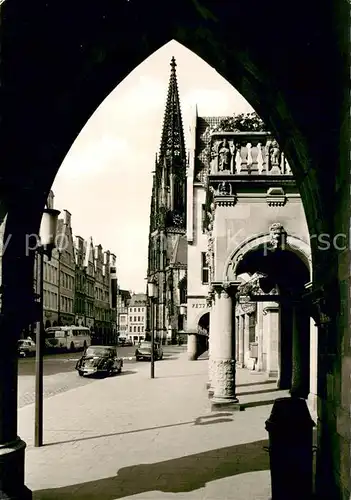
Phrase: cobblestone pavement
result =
(131, 437)
(62, 375)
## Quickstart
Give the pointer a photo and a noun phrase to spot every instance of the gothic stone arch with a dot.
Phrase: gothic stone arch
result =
(293, 244)
(60, 65)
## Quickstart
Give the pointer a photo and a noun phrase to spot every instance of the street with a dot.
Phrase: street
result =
(60, 374)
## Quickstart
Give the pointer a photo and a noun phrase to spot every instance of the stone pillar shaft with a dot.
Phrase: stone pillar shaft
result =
(300, 353)
(246, 338)
(223, 364)
(237, 321)
(241, 340)
(192, 346)
(272, 327)
(211, 340)
(260, 336)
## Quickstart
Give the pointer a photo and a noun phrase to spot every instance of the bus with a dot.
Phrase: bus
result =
(70, 338)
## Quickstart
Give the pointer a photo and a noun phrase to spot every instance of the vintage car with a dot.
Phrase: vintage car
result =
(26, 348)
(99, 359)
(143, 351)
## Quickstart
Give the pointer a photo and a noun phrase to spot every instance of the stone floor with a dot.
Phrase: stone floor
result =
(133, 437)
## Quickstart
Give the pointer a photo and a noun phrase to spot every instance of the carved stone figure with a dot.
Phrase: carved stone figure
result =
(224, 156)
(277, 235)
(224, 188)
(214, 156)
(275, 153)
(233, 149)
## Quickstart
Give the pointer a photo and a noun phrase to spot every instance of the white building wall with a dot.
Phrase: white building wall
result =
(197, 291)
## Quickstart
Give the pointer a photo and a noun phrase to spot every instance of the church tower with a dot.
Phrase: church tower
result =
(167, 240)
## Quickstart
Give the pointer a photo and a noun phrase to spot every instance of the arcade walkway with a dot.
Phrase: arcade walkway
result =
(133, 437)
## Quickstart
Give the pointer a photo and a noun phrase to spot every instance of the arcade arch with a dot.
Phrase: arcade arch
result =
(53, 83)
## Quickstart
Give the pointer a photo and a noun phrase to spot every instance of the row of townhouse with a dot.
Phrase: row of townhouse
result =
(79, 283)
(132, 315)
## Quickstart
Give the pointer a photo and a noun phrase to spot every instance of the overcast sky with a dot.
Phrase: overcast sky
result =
(106, 178)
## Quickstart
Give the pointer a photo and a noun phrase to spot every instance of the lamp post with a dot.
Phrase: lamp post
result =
(47, 234)
(152, 294)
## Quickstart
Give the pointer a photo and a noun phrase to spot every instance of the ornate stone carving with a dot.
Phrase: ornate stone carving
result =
(276, 197)
(224, 157)
(224, 189)
(277, 236)
(214, 156)
(223, 378)
(253, 287)
(274, 156)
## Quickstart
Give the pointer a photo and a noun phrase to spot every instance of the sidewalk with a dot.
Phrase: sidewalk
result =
(130, 437)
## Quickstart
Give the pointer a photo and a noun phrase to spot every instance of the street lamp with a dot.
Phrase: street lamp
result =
(152, 294)
(47, 235)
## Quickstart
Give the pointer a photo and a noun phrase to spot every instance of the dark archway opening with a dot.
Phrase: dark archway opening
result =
(289, 274)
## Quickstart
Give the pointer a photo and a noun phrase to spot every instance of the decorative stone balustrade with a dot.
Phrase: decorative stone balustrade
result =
(246, 153)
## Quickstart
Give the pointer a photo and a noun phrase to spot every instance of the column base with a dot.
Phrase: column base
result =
(12, 485)
(273, 374)
(229, 404)
(210, 393)
(192, 357)
(208, 385)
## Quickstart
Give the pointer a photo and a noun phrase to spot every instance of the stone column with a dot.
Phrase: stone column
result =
(260, 335)
(312, 397)
(300, 353)
(241, 341)
(237, 337)
(246, 338)
(192, 346)
(211, 340)
(223, 362)
(271, 328)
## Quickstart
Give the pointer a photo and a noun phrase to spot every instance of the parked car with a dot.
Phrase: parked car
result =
(26, 348)
(143, 351)
(99, 359)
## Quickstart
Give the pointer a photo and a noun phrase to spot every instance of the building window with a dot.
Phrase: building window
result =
(138, 319)
(130, 329)
(138, 329)
(134, 328)
(204, 269)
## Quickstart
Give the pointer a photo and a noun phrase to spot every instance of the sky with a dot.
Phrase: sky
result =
(105, 180)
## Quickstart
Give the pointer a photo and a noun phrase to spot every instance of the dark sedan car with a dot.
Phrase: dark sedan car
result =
(99, 359)
(143, 351)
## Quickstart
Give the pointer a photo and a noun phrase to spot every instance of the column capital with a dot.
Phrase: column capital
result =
(270, 307)
(225, 287)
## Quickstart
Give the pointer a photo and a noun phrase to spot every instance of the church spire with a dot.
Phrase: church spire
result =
(172, 150)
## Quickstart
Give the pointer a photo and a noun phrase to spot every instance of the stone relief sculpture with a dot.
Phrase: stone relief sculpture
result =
(224, 189)
(233, 149)
(224, 156)
(275, 153)
(277, 236)
(214, 156)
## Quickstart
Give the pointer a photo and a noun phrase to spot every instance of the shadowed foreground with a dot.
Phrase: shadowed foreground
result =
(179, 475)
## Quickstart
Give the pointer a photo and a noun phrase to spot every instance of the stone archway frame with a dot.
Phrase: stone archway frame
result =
(202, 313)
(293, 244)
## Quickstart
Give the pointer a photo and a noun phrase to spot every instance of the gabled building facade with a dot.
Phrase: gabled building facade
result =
(123, 298)
(89, 266)
(167, 239)
(137, 320)
(80, 291)
(51, 288)
(67, 270)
